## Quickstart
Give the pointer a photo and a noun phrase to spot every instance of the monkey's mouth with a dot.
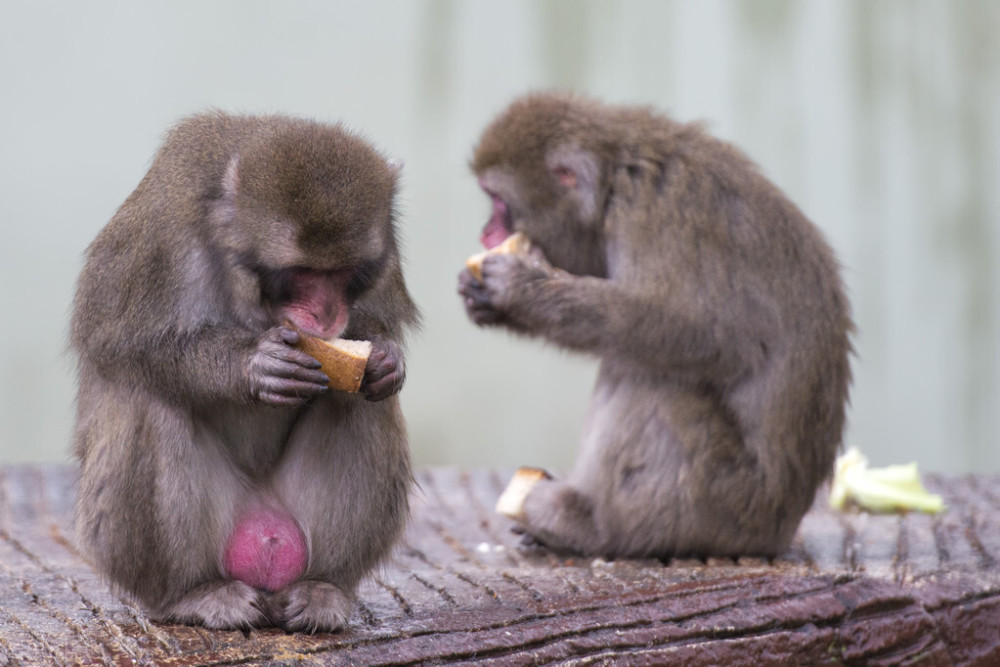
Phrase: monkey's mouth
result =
(315, 301)
(498, 228)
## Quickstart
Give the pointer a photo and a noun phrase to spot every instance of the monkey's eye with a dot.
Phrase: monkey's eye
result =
(364, 278)
(276, 286)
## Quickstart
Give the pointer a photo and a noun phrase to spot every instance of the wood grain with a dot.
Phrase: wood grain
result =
(855, 589)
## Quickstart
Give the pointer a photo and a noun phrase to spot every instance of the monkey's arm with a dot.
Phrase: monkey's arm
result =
(215, 362)
(381, 317)
(665, 329)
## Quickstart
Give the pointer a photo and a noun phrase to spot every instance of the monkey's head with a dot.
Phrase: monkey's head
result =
(544, 164)
(308, 208)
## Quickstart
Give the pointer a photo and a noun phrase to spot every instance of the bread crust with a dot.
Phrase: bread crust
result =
(511, 502)
(342, 360)
(515, 243)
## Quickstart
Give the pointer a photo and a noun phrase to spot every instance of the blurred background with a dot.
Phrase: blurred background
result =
(880, 119)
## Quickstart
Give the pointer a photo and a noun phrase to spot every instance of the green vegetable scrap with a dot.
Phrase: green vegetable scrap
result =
(888, 489)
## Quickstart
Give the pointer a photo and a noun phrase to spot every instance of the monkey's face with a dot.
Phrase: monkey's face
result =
(316, 302)
(312, 268)
(547, 208)
(543, 173)
(315, 221)
(315, 281)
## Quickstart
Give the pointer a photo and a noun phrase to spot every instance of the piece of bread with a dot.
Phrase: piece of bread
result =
(515, 243)
(511, 501)
(342, 360)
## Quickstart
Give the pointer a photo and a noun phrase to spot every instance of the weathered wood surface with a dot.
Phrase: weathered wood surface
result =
(856, 588)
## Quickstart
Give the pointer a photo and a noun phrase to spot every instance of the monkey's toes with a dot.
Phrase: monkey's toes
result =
(527, 541)
(220, 605)
(311, 606)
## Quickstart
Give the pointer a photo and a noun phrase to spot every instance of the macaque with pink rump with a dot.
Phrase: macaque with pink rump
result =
(222, 481)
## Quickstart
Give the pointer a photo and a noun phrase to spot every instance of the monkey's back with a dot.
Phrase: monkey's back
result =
(772, 277)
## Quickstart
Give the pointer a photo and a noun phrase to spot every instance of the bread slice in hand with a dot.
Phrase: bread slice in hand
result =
(342, 360)
(511, 501)
(515, 243)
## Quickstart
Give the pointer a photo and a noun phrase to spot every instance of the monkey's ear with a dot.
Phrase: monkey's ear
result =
(574, 167)
(577, 169)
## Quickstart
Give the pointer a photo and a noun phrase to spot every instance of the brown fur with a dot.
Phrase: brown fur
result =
(716, 308)
(193, 402)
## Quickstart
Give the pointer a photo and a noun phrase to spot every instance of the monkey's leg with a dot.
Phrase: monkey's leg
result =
(198, 523)
(627, 494)
(155, 493)
(673, 473)
(344, 477)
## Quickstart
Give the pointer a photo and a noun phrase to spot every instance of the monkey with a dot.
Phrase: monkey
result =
(716, 310)
(221, 482)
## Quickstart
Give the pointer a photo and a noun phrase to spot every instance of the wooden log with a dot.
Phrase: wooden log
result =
(855, 588)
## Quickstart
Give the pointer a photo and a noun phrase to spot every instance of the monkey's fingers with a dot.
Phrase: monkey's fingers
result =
(477, 303)
(385, 372)
(485, 316)
(283, 392)
(277, 381)
(294, 371)
(384, 387)
(282, 337)
(283, 353)
(281, 361)
(468, 281)
(482, 312)
(293, 387)
(475, 296)
(386, 358)
(280, 401)
(286, 334)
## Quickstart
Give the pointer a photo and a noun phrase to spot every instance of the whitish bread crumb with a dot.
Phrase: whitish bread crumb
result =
(516, 243)
(511, 501)
(355, 348)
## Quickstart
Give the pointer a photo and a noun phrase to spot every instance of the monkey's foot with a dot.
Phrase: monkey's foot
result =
(527, 541)
(558, 516)
(218, 605)
(311, 606)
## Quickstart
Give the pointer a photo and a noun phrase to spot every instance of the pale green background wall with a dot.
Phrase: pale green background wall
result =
(881, 119)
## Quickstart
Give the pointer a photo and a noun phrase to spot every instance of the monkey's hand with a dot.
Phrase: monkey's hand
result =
(280, 375)
(508, 281)
(385, 371)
